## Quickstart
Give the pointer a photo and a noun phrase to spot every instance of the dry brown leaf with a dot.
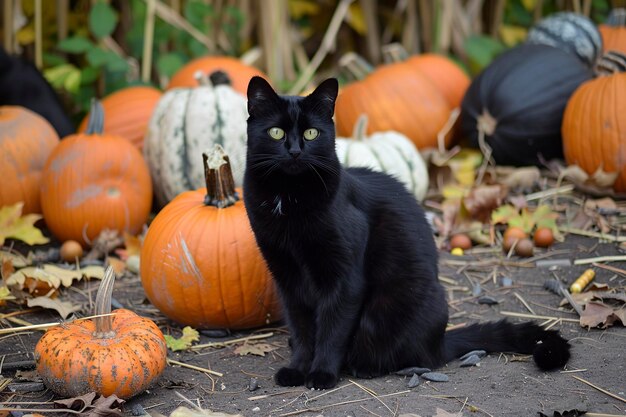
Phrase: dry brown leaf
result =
(482, 200)
(17, 259)
(598, 315)
(118, 265)
(64, 308)
(574, 173)
(54, 275)
(525, 177)
(250, 348)
(604, 179)
(132, 246)
(93, 405)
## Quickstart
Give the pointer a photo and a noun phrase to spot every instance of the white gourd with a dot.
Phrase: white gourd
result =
(389, 152)
(187, 122)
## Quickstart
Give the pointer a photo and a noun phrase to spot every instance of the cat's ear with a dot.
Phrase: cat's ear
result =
(324, 96)
(260, 93)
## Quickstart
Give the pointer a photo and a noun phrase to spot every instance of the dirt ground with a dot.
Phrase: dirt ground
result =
(502, 385)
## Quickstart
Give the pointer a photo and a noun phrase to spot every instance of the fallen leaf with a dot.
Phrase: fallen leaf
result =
(574, 173)
(189, 336)
(17, 259)
(54, 275)
(198, 412)
(250, 348)
(6, 268)
(482, 200)
(570, 413)
(64, 308)
(525, 177)
(132, 246)
(599, 315)
(14, 225)
(604, 179)
(5, 295)
(93, 405)
(118, 265)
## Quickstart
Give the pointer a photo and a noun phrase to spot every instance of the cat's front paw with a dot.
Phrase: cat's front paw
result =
(289, 377)
(321, 380)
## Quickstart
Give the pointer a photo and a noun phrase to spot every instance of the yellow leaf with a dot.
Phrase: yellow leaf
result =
(26, 35)
(454, 192)
(64, 308)
(356, 20)
(511, 35)
(189, 336)
(54, 275)
(529, 4)
(301, 8)
(5, 294)
(14, 225)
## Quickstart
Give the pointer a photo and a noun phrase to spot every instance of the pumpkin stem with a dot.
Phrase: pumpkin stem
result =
(104, 324)
(220, 185)
(612, 62)
(95, 124)
(394, 52)
(617, 17)
(360, 128)
(355, 66)
(213, 79)
(486, 123)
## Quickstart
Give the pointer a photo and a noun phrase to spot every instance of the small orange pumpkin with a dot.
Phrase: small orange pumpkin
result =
(119, 354)
(26, 141)
(449, 78)
(594, 123)
(92, 182)
(128, 112)
(613, 31)
(200, 264)
(394, 97)
(238, 72)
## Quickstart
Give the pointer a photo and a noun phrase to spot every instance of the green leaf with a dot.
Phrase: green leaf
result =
(89, 75)
(168, 64)
(75, 45)
(189, 336)
(102, 20)
(98, 57)
(72, 81)
(57, 75)
(117, 64)
(504, 214)
(481, 50)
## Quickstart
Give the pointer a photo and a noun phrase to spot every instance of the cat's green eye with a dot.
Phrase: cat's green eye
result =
(311, 134)
(276, 133)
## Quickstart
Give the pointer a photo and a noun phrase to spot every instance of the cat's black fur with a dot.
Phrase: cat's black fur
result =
(21, 84)
(352, 255)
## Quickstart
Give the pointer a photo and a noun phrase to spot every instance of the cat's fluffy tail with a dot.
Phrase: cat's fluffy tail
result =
(548, 348)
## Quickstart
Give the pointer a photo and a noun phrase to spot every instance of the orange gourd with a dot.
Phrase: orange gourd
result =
(613, 31)
(238, 72)
(119, 354)
(128, 112)
(447, 76)
(26, 141)
(92, 182)
(200, 264)
(594, 123)
(394, 97)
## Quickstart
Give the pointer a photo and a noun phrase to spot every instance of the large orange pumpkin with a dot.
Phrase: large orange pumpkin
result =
(613, 31)
(128, 112)
(594, 125)
(449, 78)
(200, 264)
(238, 72)
(118, 354)
(394, 97)
(26, 140)
(92, 182)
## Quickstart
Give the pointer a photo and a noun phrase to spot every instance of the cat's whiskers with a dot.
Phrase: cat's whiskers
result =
(320, 177)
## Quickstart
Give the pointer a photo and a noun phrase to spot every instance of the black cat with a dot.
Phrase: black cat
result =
(352, 255)
(21, 84)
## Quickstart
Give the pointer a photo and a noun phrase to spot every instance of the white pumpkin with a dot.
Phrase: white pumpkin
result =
(389, 152)
(187, 122)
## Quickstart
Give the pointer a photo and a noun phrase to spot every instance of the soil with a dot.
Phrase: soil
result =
(502, 384)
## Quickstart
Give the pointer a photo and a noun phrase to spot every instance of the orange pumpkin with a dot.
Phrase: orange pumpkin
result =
(119, 354)
(594, 124)
(92, 182)
(238, 72)
(394, 97)
(127, 113)
(613, 31)
(26, 140)
(449, 78)
(200, 264)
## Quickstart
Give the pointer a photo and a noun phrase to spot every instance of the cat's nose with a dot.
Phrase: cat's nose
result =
(295, 153)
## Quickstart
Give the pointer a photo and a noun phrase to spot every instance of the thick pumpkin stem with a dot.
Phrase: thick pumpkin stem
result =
(617, 17)
(213, 79)
(355, 66)
(95, 124)
(360, 128)
(104, 324)
(220, 185)
(394, 52)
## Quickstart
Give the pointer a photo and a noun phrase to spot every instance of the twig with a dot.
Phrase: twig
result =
(373, 394)
(574, 231)
(584, 381)
(197, 368)
(148, 41)
(535, 316)
(45, 326)
(528, 307)
(610, 268)
(328, 42)
(584, 261)
(306, 410)
(233, 341)
(548, 193)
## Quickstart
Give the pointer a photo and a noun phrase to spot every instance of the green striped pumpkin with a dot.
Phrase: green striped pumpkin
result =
(189, 121)
(389, 152)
